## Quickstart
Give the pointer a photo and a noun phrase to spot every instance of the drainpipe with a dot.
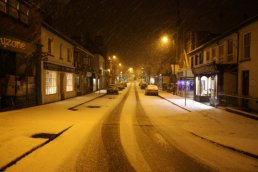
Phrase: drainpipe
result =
(237, 62)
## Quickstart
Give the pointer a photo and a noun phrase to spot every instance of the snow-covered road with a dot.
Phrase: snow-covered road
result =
(127, 132)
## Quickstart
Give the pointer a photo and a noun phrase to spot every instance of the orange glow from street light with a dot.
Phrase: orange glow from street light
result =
(164, 39)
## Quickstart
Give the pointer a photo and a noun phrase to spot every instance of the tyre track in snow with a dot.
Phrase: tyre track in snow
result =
(110, 133)
(160, 154)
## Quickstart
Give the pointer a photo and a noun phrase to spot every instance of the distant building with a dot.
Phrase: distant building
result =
(83, 62)
(99, 67)
(57, 67)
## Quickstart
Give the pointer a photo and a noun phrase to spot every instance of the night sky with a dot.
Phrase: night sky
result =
(130, 28)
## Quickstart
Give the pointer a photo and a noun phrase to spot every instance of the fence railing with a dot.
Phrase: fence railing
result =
(246, 103)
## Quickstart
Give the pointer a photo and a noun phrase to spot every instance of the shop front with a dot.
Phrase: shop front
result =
(206, 83)
(17, 73)
(58, 82)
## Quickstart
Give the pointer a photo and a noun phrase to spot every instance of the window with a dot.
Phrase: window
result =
(69, 82)
(24, 14)
(61, 52)
(3, 6)
(247, 46)
(51, 86)
(208, 56)
(69, 54)
(196, 60)
(221, 52)
(13, 6)
(213, 54)
(49, 46)
(201, 58)
(230, 50)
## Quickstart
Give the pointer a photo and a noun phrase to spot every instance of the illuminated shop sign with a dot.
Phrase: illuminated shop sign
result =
(13, 44)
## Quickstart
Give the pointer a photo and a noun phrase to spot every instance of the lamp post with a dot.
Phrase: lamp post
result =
(165, 40)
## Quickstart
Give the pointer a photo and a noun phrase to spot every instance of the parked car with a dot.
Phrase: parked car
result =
(143, 85)
(120, 86)
(112, 89)
(152, 89)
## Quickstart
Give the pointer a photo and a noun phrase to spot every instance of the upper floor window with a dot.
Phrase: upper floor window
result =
(24, 13)
(247, 46)
(69, 54)
(230, 50)
(201, 58)
(13, 6)
(49, 45)
(16, 9)
(213, 53)
(221, 52)
(196, 60)
(192, 61)
(61, 52)
(207, 55)
(3, 5)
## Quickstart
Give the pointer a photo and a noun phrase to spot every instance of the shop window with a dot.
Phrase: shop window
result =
(197, 86)
(69, 82)
(51, 82)
(3, 5)
(230, 50)
(204, 86)
(247, 46)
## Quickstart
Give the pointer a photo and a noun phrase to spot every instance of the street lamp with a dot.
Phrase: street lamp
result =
(164, 39)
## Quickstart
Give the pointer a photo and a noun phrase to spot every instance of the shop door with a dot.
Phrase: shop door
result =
(245, 87)
(245, 83)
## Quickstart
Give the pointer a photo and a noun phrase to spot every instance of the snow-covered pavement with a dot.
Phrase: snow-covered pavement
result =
(17, 126)
(218, 126)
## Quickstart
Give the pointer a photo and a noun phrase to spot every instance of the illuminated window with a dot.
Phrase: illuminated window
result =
(69, 82)
(51, 80)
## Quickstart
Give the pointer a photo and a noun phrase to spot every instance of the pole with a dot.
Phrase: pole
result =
(185, 85)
